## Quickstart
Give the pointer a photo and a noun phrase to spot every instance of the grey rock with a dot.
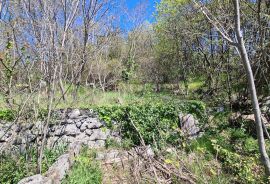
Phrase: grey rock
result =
(52, 129)
(99, 134)
(36, 179)
(90, 120)
(75, 113)
(18, 128)
(189, 125)
(78, 124)
(66, 121)
(60, 130)
(74, 150)
(84, 116)
(91, 144)
(67, 139)
(96, 144)
(94, 124)
(84, 126)
(89, 132)
(100, 143)
(82, 137)
(69, 121)
(59, 169)
(71, 129)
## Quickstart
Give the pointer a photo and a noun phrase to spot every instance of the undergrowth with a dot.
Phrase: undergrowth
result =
(13, 168)
(85, 170)
(157, 123)
(234, 148)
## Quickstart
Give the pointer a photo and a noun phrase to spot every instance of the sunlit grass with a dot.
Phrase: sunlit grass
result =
(87, 97)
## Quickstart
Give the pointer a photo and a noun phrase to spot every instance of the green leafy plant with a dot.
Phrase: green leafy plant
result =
(157, 123)
(85, 170)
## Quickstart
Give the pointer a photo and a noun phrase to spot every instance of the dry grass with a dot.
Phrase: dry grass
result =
(137, 166)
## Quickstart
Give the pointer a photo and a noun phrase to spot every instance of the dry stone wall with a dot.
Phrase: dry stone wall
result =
(65, 127)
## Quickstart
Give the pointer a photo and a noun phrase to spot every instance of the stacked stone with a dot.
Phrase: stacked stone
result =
(65, 127)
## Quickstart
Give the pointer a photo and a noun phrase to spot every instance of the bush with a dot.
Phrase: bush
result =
(157, 123)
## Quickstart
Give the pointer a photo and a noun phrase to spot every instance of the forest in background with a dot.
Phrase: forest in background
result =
(92, 53)
(58, 47)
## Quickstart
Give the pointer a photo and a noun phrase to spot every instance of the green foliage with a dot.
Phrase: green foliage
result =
(245, 168)
(156, 122)
(112, 143)
(233, 147)
(14, 168)
(7, 115)
(85, 170)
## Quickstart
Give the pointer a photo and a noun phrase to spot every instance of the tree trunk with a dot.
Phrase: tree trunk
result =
(252, 89)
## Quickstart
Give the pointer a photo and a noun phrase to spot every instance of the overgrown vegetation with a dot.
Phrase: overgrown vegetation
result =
(234, 148)
(13, 168)
(85, 170)
(156, 122)
(76, 54)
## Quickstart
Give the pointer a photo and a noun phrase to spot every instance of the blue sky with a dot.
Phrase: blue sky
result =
(131, 4)
(151, 6)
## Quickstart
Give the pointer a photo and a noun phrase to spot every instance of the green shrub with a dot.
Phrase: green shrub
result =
(157, 123)
(85, 170)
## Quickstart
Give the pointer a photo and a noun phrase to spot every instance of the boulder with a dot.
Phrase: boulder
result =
(74, 150)
(67, 139)
(19, 140)
(189, 125)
